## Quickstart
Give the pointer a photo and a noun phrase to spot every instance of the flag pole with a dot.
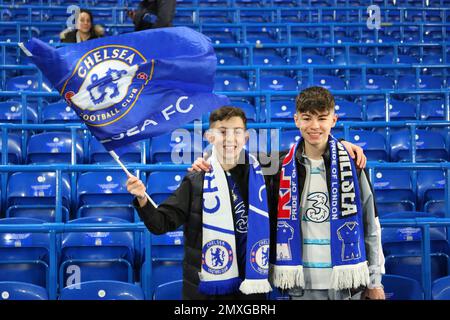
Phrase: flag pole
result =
(116, 157)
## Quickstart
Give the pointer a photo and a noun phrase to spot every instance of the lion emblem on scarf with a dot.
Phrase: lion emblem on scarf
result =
(217, 257)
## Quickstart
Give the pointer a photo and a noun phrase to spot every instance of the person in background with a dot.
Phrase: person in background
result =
(152, 14)
(85, 29)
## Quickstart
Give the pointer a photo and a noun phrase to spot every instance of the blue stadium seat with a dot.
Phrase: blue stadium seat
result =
(411, 266)
(282, 110)
(24, 256)
(59, 112)
(288, 138)
(213, 17)
(25, 189)
(398, 111)
(338, 39)
(440, 289)
(87, 256)
(401, 288)
(27, 83)
(231, 83)
(348, 111)
(390, 59)
(407, 240)
(328, 82)
(433, 59)
(249, 109)
(102, 290)
(11, 112)
(314, 59)
(98, 153)
(430, 146)
(265, 52)
(298, 39)
(226, 60)
(277, 83)
(430, 190)
(260, 40)
(14, 149)
(432, 110)
(353, 59)
(373, 144)
(53, 147)
(393, 191)
(222, 38)
(161, 184)
(373, 82)
(425, 82)
(377, 51)
(180, 146)
(15, 290)
(270, 61)
(103, 194)
(169, 291)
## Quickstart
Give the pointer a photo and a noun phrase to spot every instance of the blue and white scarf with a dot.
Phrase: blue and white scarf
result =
(219, 271)
(350, 268)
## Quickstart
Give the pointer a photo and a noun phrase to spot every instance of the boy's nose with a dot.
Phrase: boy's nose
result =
(314, 124)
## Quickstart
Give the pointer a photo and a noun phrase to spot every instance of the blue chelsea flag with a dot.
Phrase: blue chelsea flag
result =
(133, 86)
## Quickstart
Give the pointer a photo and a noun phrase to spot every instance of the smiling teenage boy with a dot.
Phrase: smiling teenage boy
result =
(328, 238)
(226, 223)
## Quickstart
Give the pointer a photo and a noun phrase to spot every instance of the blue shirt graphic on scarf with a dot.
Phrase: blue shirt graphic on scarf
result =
(349, 236)
(240, 223)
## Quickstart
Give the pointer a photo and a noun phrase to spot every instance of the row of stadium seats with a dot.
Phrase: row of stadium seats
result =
(286, 83)
(258, 34)
(249, 3)
(395, 287)
(98, 194)
(280, 110)
(86, 256)
(56, 147)
(109, 256)
(223, 13)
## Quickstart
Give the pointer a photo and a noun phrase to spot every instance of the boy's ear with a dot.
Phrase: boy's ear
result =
(335, 119)
(297, 120)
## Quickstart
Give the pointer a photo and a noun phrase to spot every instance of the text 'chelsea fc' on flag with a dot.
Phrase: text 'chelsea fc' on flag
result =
(133, 86)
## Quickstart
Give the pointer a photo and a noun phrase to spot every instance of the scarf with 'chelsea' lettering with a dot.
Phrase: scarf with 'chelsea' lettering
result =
(219, 271)
(350, 268)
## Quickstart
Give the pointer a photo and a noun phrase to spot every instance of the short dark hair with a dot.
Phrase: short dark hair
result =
(314, 100)
(225, 113)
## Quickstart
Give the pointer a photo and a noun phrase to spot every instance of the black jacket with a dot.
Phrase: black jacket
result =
(70, 36)
(184, 207)
(164, 10)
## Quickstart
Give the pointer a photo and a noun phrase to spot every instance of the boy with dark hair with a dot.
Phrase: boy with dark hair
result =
(328, 238)
(225, 217)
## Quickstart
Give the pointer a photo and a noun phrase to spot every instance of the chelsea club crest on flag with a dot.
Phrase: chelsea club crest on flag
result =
(133, 86)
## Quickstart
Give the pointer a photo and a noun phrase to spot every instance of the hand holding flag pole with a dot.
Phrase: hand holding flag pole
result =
(128, 173)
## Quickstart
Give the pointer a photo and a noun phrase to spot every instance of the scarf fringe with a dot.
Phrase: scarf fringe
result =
(350, 276)
(250, 286)
(220, 287)
(287, 277)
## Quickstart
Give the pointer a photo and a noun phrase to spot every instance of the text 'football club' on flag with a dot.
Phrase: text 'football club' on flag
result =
(133, 86)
